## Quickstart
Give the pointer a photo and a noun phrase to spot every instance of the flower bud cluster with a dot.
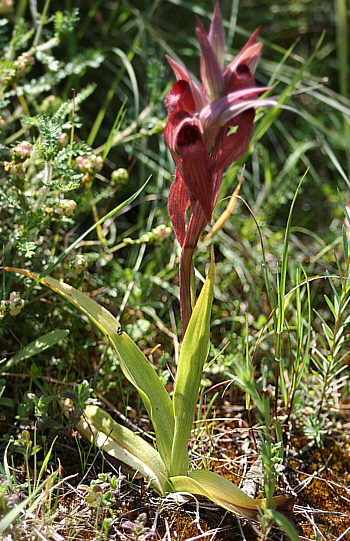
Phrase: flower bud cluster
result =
(77, 266)
(20, 67)
(12, 306)
(63, 140)
(65, 207)
(21, 152)
(119, 177)
(6, 6)
(16, 171)
(156, 236)
(15, 168)
(89, 165)
(160, 233)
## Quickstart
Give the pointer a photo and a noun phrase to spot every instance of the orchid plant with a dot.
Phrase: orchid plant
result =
(199, 138)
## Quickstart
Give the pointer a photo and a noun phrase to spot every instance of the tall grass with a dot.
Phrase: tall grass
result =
(296, 334)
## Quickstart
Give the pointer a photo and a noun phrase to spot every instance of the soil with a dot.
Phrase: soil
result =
(319, 480)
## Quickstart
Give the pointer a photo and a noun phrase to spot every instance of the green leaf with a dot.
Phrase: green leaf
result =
(126, 62)
(281, 283)
(140, 373)
(11, 517)
(194, 351)
(345, 243)
(37, 346)
(134, 364)
(98, 426)
(285, 263)
(344, 207)
(283, 523)
(331, 307)
(226, 494)
(47, 457)
(8, 402)
(219, 490)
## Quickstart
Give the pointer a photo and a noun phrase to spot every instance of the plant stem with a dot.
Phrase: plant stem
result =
(40, 27)
(45, 189)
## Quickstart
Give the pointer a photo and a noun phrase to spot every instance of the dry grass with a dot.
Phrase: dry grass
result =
(318, 478)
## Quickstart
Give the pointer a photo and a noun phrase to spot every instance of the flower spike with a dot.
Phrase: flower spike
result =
(197, 136)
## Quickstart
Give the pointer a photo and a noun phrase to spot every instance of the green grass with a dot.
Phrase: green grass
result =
(281, 303)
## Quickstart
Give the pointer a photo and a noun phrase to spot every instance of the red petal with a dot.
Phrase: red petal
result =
(179, 71)
(239, 73)
(234, 146)
(216, 35)
(178, 202)
(180, 94)
(247, 52)
(240, 78)
(182, 73)
(211, 71)
(223, 110)
(194, 163)
(174, 120)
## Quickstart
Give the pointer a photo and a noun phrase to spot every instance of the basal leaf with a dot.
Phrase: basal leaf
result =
(140, 373)
(194, 351)
(118, 441)
(226, 494)
(219, 490)
(134, 364)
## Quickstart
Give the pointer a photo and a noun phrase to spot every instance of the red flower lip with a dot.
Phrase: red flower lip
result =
(223, 110)
(198, 120)
(197, 135)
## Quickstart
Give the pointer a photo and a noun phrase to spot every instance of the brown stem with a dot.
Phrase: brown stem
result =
(196, 225)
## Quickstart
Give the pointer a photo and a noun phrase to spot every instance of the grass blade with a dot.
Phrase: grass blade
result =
(134, 364)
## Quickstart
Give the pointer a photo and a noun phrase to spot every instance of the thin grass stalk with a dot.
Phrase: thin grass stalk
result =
(298, 368)
(111, 92)
(40, 27)
(281, 284)
(343, 54)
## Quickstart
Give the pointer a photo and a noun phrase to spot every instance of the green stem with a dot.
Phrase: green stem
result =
(45, 189)
(28, 472)
(40, 27)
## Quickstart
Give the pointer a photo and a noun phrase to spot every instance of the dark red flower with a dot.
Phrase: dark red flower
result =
(199, 119)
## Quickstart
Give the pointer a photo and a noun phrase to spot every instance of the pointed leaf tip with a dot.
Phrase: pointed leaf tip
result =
(216, 35)
(211, 70)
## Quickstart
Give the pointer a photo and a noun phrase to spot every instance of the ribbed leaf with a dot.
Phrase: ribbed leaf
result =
(140, 373)
(134, 364)
(98, 426)
(194, 351)
(226, 494)
(219, 490)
